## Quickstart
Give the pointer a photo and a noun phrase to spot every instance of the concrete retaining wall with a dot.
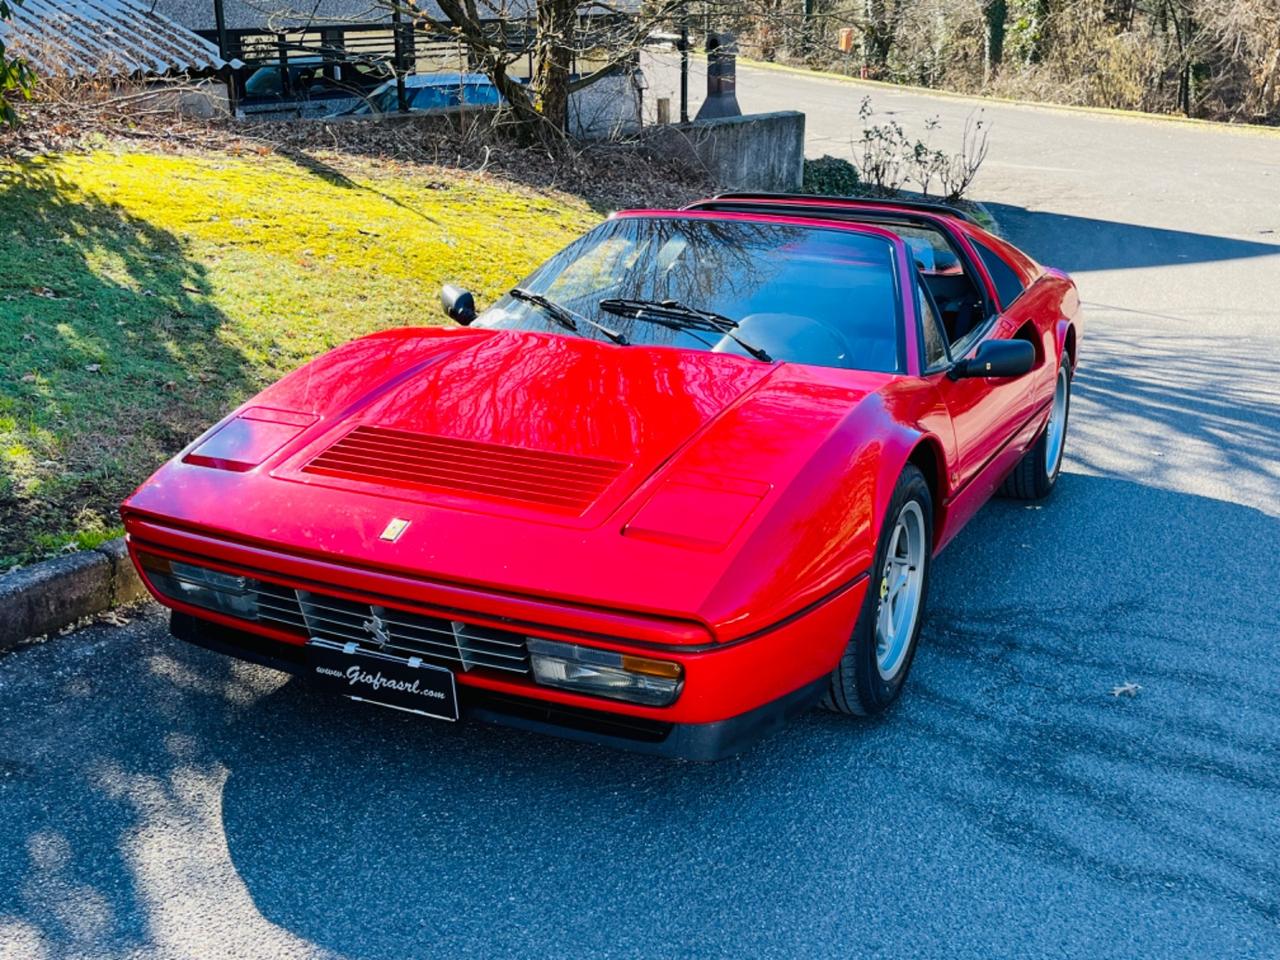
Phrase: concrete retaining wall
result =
(761, 151)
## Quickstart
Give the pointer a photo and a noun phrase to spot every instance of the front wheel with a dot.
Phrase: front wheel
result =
(871, 672)
(1037, 472)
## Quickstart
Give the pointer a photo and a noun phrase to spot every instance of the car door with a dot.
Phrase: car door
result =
(986, 412)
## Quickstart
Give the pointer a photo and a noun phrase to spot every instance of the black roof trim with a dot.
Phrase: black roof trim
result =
(921, 206)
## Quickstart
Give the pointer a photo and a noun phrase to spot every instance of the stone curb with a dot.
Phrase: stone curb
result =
(47, 596)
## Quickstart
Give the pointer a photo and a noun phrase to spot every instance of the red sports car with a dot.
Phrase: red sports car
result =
(682, 483)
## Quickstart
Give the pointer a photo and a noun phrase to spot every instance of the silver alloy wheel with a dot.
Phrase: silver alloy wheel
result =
(901, 590)
(1056, 431)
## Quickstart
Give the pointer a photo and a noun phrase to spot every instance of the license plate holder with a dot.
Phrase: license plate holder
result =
(370, 676)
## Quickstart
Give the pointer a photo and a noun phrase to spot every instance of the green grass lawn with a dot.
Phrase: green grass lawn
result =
(143, 294)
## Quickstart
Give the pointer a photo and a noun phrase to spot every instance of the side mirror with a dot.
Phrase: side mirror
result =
(997, 358)
(459, 304)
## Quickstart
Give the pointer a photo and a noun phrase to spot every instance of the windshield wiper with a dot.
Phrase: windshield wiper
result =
(672, 312)
(564, 316)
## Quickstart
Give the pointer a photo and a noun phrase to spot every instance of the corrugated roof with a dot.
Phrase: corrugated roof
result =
(294, 14)
(275, 14)
(105, 37)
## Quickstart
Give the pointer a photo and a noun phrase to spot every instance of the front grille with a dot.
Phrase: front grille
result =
(408, 459)
(476, 701)
(451, 643)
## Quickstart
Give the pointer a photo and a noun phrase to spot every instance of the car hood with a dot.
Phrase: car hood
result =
(558, 467)
(512, 423)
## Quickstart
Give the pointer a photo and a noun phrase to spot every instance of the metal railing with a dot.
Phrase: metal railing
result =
(345, 60)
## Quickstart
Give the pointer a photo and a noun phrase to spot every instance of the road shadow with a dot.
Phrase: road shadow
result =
(111, 354)
(160, 799)
(1010, 729)
(1191, 409)
(1078, 244)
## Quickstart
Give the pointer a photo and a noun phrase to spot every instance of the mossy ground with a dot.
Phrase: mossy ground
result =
(142, 294)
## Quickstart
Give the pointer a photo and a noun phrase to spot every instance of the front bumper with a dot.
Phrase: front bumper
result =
(713, 740)
(732, 691)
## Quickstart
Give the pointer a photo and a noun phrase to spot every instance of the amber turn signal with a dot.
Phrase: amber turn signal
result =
(652, 668)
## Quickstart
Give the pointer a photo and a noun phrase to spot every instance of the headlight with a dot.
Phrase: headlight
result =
(201, 587)
(654, 683)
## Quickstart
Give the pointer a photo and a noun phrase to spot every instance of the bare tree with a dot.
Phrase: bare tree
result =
(552, 33)
(1212, 58)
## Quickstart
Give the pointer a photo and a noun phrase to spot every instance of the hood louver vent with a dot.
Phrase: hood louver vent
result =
(379, 455)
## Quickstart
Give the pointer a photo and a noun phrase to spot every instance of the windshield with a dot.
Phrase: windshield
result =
(814, 295)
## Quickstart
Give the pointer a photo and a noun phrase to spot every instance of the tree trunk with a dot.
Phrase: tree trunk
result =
(491, 58)
(878, 33)
(553, 59)
(808, 29)
(1183, 31)
(1040, 45)
(993, 52)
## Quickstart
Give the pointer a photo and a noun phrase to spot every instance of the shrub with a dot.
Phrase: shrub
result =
(831, 177)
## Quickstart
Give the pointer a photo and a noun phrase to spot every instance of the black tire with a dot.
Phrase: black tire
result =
(857, 686)
(1032, 478)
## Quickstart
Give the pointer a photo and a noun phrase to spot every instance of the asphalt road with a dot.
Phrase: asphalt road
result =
(158, 801)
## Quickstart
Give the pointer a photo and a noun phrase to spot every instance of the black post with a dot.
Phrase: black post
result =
(286, 87)
(402, 99)
(684, 64)
(220, 22)
(233, 82)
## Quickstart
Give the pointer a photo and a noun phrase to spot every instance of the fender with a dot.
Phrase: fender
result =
(803, 553)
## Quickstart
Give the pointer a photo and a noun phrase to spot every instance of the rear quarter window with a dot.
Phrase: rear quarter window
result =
(1009, 285)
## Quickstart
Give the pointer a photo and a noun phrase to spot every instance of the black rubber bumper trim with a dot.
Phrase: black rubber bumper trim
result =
(689, 741)
(685, 741)
(236, 643)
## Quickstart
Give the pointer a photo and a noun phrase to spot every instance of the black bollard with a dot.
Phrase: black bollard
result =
(722, 78)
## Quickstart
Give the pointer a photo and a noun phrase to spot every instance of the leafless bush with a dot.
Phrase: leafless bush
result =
(1242, 40)
(889, 159)
(961, 167)
(1212, 58)
(883, 151)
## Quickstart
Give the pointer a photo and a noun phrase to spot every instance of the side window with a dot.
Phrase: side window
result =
(958, 300)
(1008, 284)
(935, 341)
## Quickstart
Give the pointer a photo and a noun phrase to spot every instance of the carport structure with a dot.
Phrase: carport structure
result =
(335, 49)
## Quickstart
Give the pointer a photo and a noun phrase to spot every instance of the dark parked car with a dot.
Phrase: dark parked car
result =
(313, 78)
